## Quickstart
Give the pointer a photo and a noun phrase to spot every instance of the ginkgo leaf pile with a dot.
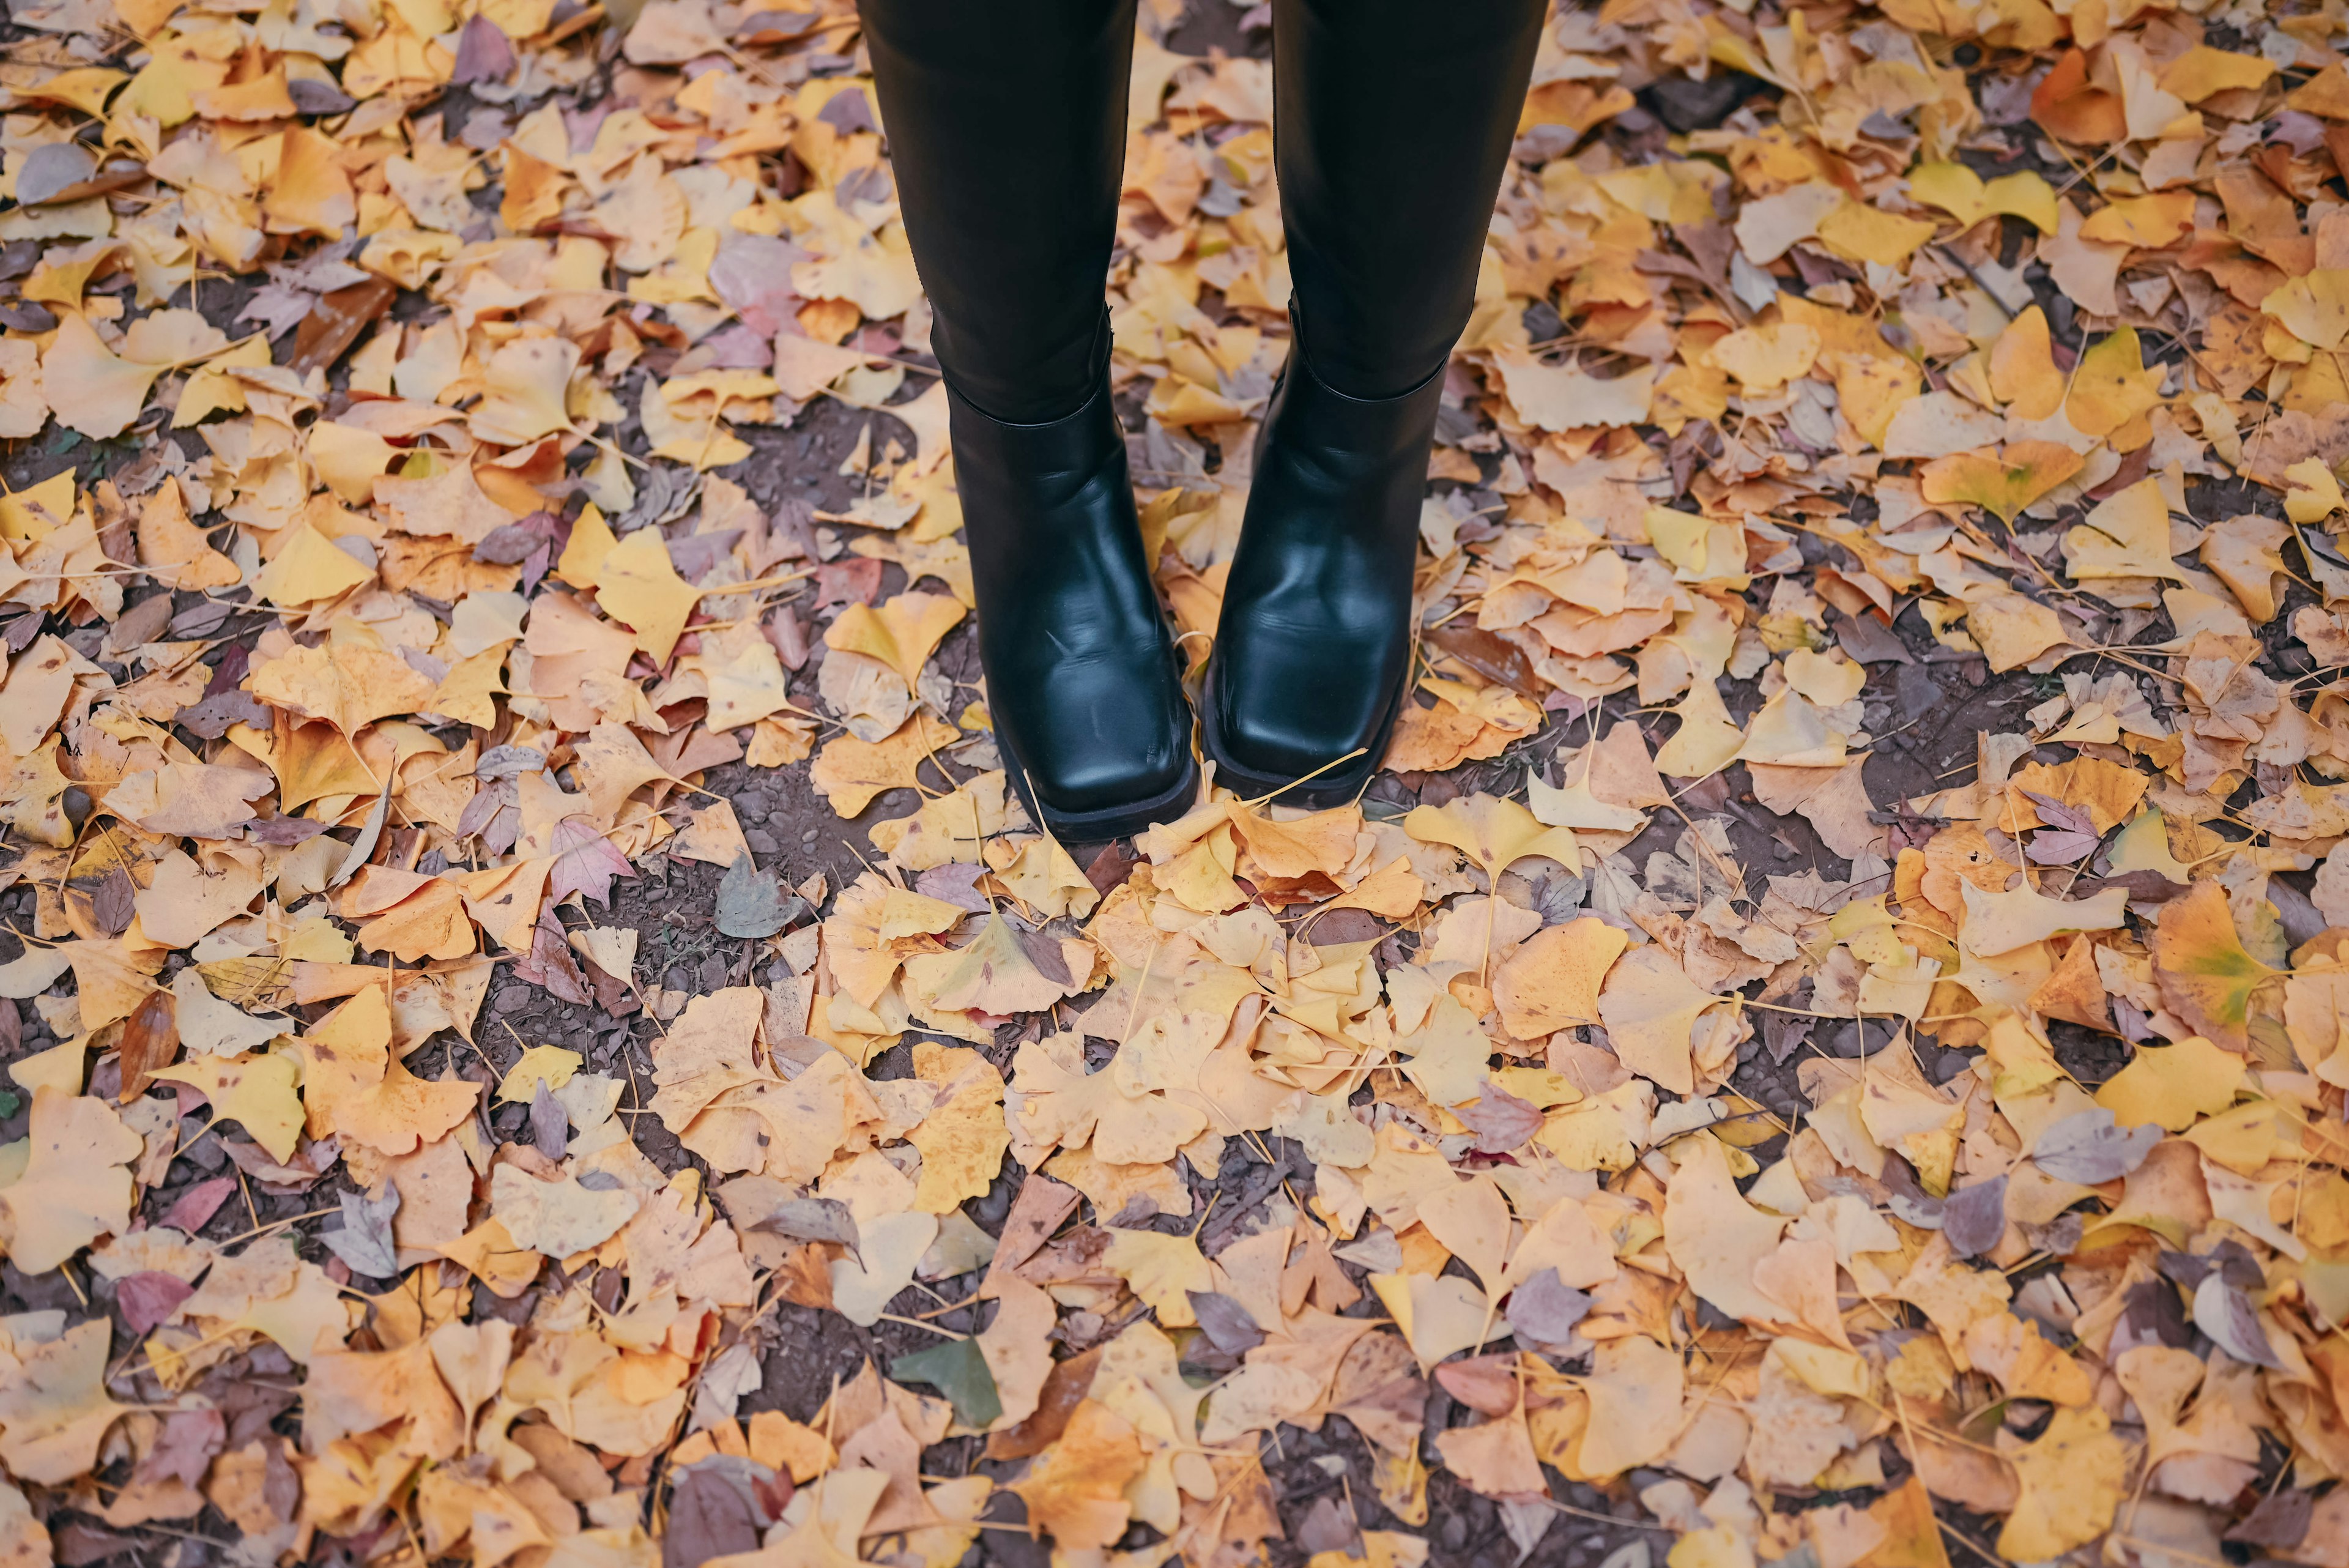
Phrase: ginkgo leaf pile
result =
(1827, 362)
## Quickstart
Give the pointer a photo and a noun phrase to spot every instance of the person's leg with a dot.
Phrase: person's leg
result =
(1392, 127)
(1006, 123)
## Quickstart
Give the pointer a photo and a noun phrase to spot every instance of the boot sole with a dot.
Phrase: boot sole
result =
(1071, 828)
(1339, 787)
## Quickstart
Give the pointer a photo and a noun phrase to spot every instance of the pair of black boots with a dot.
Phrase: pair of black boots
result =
(1006, 121)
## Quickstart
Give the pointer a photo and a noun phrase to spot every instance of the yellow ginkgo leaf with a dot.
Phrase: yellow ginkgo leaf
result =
(848, 772)
(2014, 629)
(85, 89)
(1651, 1008)
(2126, 536)
(1706, 740)
(1791, 732)
(2246, 552)
(901, 634)
(2023, 371)
(995, 973)
(2174, 1085)
(2206, 976)
(54, 1411)
(2073, 1478)
(2001, 922)
(1826, 681)
(310, 568)
(2148, 222)
(2202, 70)
(37, 510)
(1162, 1270)
(1764, 358)
(2315, 309)
(523, 387)
(591, 543)
(549, 1065)
(2003, 482)
(175, 549)
(255, 1091)
(1472, 1219)
(1965, 196)
(76, 1187)
(2113, 385)
(1858, 232)
(2315, 493)
(1713, 1236)
(964, 1138)
(311, 192)
(1577, 806)
(350, 460)
(1438, 1315)
(636, 584)
(1494, 832)
(214, 389)
(90, 387)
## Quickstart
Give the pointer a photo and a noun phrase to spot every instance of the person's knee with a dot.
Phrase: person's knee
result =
(1023, 372)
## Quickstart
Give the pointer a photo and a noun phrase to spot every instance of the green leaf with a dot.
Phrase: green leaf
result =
(955, 1368)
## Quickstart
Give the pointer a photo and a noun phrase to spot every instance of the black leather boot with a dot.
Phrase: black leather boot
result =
(1082, 680)
(1386, 216)
(1006, 123)
(1313, 656)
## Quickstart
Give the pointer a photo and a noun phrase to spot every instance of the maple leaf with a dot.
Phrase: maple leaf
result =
(585, 862)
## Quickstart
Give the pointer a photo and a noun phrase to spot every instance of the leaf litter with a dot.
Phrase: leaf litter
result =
(1969, 1185)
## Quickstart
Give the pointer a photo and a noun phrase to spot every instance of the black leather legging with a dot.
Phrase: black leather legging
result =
(1006, 121)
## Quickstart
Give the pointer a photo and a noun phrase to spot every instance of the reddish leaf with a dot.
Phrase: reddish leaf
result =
(150, 1040)
(184, 1447)
(199, 1203)
(148, 1297)
(549, 962)
(585, 863)
(1500, 1120)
